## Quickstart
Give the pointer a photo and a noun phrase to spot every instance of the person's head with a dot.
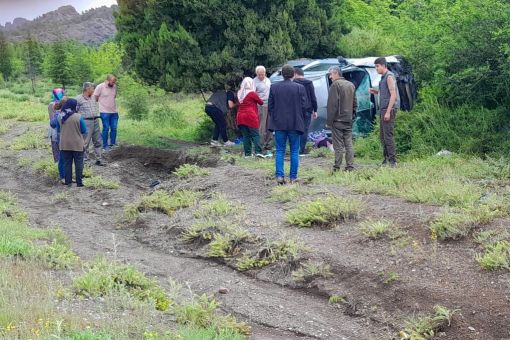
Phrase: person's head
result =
(287, 72)
(111, 80)
(59, 104)
(298, 72)
(261, 72)
(381, 65)
(335, 73)
(247, 84)
(69, 106)
(88, 89)
(57, 94)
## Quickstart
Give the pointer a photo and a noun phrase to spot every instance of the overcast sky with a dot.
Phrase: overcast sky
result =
(30, 9)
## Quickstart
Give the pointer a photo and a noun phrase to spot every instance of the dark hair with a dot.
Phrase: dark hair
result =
(299, 71)
(381, 61)
(287, 72)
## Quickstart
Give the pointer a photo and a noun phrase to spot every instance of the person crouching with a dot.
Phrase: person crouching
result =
(248, 117)
(72, 142)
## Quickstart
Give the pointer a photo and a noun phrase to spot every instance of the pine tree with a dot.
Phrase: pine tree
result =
(59, 67)
(5, 57)
(33, 60)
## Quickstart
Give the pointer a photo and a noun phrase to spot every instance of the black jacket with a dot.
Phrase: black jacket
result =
(287, 107)
(310, 94)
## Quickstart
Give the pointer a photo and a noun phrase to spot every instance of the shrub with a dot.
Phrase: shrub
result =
(228, 243)
(333, 299)
(190, 170)
(324, 211)
(137, 106)
(165, 114)
(103, 278)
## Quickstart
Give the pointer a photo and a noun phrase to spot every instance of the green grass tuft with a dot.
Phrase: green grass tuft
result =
(168, 203)
(190, 170)
(47, 167)
(311, 270)
(219, 206)
(29, 140)
(98, 182)
(103, 277)
(427, 327)
(325, 211)
(278, 251)
(375, 229)
(285, 193)
(496, 256)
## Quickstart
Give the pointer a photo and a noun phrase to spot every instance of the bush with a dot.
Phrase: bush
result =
(496, 256)
(169, 203)
(137, 106)
(375, 229)
(190, 170)
(165, 114)
(324, 211)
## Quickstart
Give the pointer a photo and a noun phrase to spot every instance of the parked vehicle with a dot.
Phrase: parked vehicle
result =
(361, 72)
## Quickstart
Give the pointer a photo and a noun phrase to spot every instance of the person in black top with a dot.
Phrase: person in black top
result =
(216, 107)
(311, 109)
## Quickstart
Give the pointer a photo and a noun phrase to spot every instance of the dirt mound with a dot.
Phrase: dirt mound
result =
(164, 160)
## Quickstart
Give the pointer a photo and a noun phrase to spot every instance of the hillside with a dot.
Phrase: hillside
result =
(92, 27)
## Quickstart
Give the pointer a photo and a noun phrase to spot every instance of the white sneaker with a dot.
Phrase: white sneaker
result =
(215, 143)
(259, 155)
(229, 143)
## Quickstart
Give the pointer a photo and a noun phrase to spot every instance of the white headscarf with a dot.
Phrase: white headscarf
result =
(246, 87)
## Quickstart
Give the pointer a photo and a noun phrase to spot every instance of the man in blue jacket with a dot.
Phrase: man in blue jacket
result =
(287, 109)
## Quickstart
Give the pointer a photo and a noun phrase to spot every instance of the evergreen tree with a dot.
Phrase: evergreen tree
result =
(196, 45)
(59, 68)
(5, 57)
(33, 60)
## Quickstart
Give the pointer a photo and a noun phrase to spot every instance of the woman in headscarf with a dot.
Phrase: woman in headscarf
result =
(72, 143)
(248, 117)
(57, 95)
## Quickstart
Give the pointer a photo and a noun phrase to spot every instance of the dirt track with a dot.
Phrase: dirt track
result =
(445, 275)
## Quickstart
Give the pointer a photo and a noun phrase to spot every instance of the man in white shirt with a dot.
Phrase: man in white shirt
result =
(262, 87)
(106, 96)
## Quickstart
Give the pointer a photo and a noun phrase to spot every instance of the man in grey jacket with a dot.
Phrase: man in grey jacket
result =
(262, 87)
(342, 105)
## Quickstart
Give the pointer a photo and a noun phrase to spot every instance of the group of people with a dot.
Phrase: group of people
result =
(74, 125)
(283, 111)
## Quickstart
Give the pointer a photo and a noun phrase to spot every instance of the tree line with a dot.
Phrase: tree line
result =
(67, 63)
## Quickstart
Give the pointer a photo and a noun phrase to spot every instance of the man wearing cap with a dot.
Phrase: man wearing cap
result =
(87, 108)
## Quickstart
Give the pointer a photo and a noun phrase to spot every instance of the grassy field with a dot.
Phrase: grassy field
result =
(166, 117)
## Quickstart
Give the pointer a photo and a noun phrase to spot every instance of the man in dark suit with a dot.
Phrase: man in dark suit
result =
(287, 109)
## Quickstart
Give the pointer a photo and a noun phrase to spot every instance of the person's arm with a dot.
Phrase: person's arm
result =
(97, 92)
(51, 111)
(257, 98)
(304, 99)
(354, 105)
(83, 126)
(392, 85)
(373, 91)
(332, 105)
(54, 121)
(313, 98)
(231, 100)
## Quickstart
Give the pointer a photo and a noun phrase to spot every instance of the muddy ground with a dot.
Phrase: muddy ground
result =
(277, 308)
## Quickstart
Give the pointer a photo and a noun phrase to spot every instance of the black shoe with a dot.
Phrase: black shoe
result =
(350, 168)
(80, 185)
(99, 163)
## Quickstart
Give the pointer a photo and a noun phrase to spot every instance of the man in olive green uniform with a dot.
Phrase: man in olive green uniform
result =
(342, 105)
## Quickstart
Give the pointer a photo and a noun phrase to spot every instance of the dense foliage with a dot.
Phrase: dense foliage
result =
(196, 45)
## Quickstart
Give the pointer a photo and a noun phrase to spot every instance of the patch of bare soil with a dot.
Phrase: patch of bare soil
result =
(428, 273)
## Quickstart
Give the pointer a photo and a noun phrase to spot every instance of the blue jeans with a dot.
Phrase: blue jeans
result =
(281, 143)
(110, 122)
